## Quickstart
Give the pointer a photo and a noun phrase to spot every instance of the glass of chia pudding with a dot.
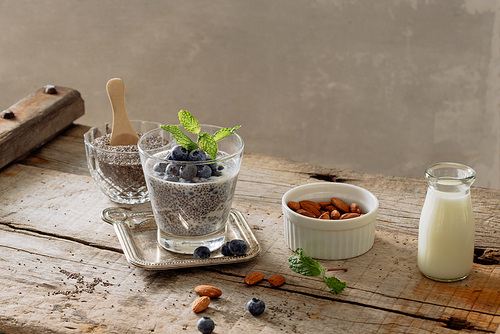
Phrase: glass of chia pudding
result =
(191, 194)
(117, 170)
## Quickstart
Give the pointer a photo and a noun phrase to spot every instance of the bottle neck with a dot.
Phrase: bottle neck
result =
(450, 177)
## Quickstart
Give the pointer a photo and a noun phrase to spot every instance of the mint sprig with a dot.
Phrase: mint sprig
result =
(182, 138)
(303, 264)
(189, 123)
(205, 141)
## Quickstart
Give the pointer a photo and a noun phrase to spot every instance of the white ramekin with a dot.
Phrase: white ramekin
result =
(330, 239)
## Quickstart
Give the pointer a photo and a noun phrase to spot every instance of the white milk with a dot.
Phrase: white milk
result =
(446, 235)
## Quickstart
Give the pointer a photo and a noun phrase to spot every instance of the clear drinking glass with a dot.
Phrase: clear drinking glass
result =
(446, 229)
(117, 170)
(191, 214)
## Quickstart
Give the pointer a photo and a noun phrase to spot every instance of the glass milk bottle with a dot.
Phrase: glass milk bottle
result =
(446, 229)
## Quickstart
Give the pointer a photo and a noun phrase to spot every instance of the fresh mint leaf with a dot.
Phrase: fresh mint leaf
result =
(182, 139)
(224, 132)
(189, 122)
(208, 144)
(303, 264)
(335, 285)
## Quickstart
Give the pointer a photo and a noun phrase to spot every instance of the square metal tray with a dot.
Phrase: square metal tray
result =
(137, 234)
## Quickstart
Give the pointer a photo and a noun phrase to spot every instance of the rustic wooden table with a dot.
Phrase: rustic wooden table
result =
(63, 270)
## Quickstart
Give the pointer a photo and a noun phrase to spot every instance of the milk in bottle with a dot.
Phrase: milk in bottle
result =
(446, 229)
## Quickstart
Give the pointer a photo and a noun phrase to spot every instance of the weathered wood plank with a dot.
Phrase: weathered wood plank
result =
(72, 287)
(38, 118)
(56, 215)
(50, 226)
(263, 181)
(400, 203)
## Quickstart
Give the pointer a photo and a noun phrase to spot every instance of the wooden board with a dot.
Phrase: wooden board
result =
(62, 269)
(38, 118)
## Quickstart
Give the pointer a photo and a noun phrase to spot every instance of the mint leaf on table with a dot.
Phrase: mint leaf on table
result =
(189, 122)
(335, 285)
(224, 132)
(208, 144)
(182, 138)
(303, 264)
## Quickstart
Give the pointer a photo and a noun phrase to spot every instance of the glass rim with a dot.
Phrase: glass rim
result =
(470, 174)
(206, 162)
(89, 131)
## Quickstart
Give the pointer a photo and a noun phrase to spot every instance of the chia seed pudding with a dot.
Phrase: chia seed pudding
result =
(195, 207)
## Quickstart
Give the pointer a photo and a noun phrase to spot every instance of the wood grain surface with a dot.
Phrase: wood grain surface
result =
(39, 117)
(63, 271)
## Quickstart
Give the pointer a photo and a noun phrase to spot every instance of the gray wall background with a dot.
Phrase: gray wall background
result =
(386, 86)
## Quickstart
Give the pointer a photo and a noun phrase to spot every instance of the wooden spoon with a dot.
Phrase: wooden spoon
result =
(123, 133)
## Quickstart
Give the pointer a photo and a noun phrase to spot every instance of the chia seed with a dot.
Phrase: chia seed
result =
(119, 167)
(191, 208)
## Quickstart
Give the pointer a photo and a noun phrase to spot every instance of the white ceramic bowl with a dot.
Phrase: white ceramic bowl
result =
(331, 239)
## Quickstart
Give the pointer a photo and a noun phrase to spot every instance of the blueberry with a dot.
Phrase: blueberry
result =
(179, 153)
(173, 169)
(187, 172)
(197, 155)
(171, 178)
(225, 250)
(201, 252)
(238, 247)
(204, 172)
(216, 167)
(206, 325)
(256, 306)
(160, 167)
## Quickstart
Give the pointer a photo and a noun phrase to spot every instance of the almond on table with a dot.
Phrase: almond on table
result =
(200, 304)
(254, 278)
(276, 280)
(208, 290)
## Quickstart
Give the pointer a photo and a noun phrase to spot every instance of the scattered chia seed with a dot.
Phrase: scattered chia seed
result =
(81, 285)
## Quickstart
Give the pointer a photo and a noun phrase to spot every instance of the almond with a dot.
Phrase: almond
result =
(349, 215)
(208, 290)
(314, 204)
(311, 208)
(324, 204)
(200, 304)
(276, 280)
(294, 205)
(306, 213)
(354, 208)
(325, 215)
(340, 204)
(254, 278)
(330, 208)
(335, 214)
